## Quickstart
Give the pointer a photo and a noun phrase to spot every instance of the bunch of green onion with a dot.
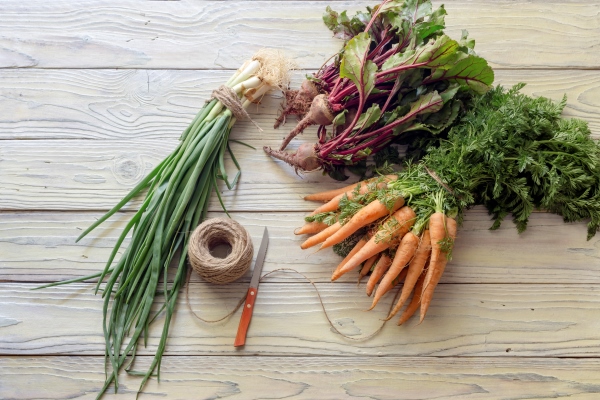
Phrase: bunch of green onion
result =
(178, 192)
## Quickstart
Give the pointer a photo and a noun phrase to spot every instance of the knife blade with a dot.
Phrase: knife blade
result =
(240, 338)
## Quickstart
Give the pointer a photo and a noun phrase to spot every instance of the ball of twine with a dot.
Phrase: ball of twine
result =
(211, 233)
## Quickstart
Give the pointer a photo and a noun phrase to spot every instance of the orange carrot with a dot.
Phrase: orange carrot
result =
(405, 252)
(414, 303)
(367, 267)
(369, 213)
(399, 279)
(321, 236)
(359, 245)
(311, 228)
(330, 194)
(441, 228)
(380, 268)
(414, 270)
(394, 228)
(334, 203)
(369, 250)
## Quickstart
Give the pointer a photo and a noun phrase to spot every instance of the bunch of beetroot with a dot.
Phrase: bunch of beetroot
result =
(397, 73)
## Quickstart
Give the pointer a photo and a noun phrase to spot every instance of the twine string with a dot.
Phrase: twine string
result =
(216, 231)
(208, 321)
(331, 323)
(230, 99)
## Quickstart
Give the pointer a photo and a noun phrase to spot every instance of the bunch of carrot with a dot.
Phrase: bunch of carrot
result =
(510, 153)
(401, 235)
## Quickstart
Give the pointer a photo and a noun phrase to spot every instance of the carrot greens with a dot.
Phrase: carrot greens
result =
(514, 153)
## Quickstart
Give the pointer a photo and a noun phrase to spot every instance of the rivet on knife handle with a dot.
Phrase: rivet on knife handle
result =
(240, 338)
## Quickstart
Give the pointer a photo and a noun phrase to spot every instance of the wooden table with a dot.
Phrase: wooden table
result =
(94, 93)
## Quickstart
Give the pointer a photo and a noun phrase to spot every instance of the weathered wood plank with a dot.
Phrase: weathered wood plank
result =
(95, 175)
(150, 104)
(380, 378)
(463, 320)
(543, 302)
(87, 174)
(40, 247)
(170, 34)
(94, 104)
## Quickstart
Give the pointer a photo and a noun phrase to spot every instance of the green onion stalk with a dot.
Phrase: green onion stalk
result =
(178, 192)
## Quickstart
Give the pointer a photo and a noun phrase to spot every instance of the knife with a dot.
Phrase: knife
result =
(240, 338)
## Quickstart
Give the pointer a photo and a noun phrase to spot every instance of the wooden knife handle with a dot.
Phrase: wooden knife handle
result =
(240, 338)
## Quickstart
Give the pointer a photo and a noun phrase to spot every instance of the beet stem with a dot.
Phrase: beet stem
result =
(382, 139)
(387, 129)
(379, 60)
(384, 41)
(375, 15)
(392, 93)
(336, 87)
(333, 144)
(322, 134)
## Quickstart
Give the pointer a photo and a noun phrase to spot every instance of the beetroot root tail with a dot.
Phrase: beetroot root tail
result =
(282, 155)
(304, 159)
(302, 125)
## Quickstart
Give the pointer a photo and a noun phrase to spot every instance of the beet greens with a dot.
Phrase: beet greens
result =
(397, 73)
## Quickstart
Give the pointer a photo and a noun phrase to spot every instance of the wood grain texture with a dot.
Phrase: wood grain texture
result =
(201, 34)
(101, 104)
(159, 104)
(94, 93)
(463, 320)
(95, 174)
(40, 247)
(382, 378)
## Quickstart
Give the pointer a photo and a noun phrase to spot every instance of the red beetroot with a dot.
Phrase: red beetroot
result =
(321, 112)
(304, 159)
(387, 82)
(298, 101)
